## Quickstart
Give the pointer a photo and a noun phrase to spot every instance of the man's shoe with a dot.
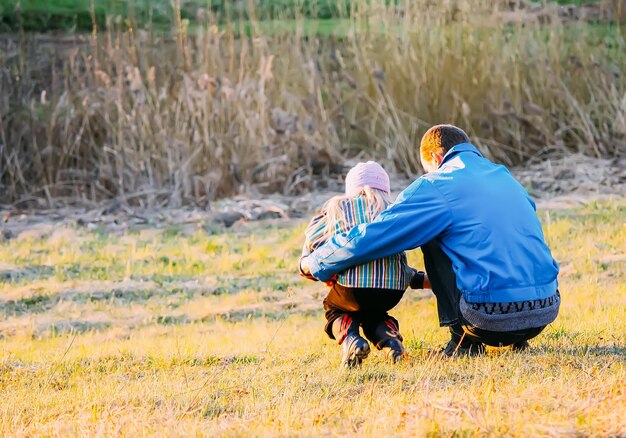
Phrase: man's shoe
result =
(355, 349)
(394, 350)
(464, 349)
(520, 346)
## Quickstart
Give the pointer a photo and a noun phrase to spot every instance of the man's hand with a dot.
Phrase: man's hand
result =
(419, 280)
(426, 284)
(332, 281)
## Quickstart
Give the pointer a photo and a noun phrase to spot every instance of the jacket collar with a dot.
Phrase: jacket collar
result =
(463, 147)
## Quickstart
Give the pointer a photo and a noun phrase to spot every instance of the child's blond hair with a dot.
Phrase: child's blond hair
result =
(377, 200)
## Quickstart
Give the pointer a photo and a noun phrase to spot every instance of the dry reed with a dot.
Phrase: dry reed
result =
(204, 112)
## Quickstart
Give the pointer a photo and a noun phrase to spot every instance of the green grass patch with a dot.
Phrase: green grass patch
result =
(80, 15)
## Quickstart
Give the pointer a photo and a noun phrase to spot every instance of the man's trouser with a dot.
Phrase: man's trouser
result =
(443, 280)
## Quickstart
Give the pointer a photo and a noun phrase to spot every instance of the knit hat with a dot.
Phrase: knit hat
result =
(367, 174)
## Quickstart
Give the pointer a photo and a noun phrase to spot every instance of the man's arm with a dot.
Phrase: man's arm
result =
(419, 214)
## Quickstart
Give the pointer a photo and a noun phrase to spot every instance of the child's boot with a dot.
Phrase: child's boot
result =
(385, 335)
(355, 348)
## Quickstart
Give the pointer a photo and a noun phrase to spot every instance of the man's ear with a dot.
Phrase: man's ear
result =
(437, 157)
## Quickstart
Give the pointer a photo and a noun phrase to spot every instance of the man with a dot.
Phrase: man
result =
(486, 260)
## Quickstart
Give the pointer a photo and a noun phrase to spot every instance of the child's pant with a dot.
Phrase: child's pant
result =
(367, 305)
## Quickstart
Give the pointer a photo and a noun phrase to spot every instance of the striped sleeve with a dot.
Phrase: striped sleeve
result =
(315, 234)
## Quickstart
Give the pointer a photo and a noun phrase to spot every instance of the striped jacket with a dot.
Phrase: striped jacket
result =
(387, 273)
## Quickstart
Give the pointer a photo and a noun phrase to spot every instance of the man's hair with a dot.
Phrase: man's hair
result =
(442, 137)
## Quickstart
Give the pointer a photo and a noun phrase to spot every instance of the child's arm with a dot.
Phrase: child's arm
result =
(314, 236)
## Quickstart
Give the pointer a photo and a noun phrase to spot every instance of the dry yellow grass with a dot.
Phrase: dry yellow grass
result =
(157, 333)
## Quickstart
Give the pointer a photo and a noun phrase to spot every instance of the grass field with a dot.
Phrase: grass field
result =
(188, 331)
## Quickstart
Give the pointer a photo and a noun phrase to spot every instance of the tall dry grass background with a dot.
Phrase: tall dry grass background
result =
(204, 111)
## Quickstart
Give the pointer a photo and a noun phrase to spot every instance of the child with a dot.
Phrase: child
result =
(361, 295)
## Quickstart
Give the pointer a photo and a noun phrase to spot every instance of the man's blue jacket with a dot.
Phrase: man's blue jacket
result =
(482, 218)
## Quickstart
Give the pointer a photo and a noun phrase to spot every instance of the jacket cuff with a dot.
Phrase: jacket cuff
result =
(304, 274)
(417, 281)
(316, 269)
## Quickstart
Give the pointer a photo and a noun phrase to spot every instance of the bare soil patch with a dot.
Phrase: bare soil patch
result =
(560, 181)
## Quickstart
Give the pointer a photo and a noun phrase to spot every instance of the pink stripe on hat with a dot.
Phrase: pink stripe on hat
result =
(367, 174)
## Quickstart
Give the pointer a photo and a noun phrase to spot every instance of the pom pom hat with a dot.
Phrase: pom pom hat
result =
(367, 174)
